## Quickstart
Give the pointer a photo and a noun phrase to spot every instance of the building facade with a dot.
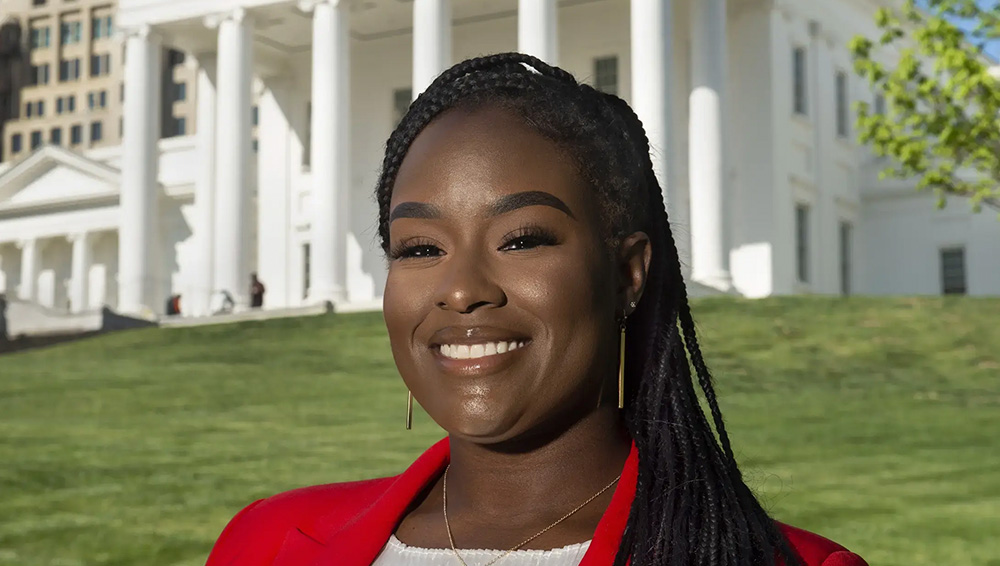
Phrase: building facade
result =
(747, 103)
(68, 87)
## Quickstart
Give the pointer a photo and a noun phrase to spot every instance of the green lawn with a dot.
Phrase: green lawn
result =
(874, 422)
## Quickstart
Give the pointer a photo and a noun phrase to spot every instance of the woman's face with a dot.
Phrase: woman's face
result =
(501, 299)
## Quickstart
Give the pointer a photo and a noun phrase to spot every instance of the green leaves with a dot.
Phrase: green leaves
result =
(942, 120)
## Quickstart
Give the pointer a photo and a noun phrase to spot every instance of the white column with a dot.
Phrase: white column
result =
(196, 302)
(652, 70)
(80, 274)
(137, 251)
(431, 42)
(275, 257)
(29, 269)
(331, 152)
(232, 156)
(707, 164)
(538, 29)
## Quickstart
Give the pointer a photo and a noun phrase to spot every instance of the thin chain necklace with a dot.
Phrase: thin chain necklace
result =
(451, 540)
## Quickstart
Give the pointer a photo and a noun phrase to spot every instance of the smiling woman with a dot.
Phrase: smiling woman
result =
(533, 289)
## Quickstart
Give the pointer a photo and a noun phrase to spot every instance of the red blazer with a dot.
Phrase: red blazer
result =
(348, 524)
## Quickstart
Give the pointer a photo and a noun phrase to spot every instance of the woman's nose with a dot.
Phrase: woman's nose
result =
(468, 284)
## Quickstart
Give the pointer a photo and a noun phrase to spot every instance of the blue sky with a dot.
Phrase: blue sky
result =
(993, 47)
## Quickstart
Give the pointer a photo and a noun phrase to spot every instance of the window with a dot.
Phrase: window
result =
(606, 74)
(180, 126)
(16, 143)
(91, 100)
(799, 78)
(69, 32)
(180, 92)
(102, 99)
(953, 271)
(96, 131)
(254, 113)
(55, 136)
(255, 145)
(69, 70)
(29, 109)
(306, 283)
(37, 2)
(842, 105)
(40, 37)
(36, 140)
(101, 27)
(59, 105)
(307, 138)
(175, 58)
(40, 108)
(401, 98)
(802, 242)
(71, 103)
(880, 104)
(100, 65)
(76, 135)
(845, 258)
(39, 74)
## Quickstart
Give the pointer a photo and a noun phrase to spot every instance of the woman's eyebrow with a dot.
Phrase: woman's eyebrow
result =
(414, 210)
(508, 203)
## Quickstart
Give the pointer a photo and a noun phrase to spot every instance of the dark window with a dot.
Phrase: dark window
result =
(845, 258)
(880, 104)
(16, 143)
(401, 98)
(39, 74)
(843, 111)
(29, 110)
(91, 100)
(101, 27)
(40, 108)
(59, 105)
(180, 126)
(69, 70)
(802, 242)
(254, 112)
(70, 32)
(953, 271)
(100, 65)
(37, 2)
(76, 135)
(180, 91)
(307, 138)
(55, 136)
(40, 37)
(799, 80)
(96, 131)
(606, 74)
(175, 58)
(71, 103)
(255, 145)
(36, 140)
(102, 99)
(306, 270)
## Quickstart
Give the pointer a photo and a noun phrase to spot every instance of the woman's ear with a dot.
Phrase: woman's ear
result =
(634, 256)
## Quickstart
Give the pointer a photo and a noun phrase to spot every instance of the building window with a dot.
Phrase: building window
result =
(606, 74)
(845, 258)
(71, 103)
(37, 2)
(102, 99)
(802, 242)
(306, 270)
(36, 140)
(40, 108)
(307, 138)
(41, 37)
(102, 27)
(180, 92)
(16, 143)
(953, 271)
(69, 70)
(180, 126)
(39, 74)
(880, 104)
(70, 32)
(55, 136)
(799, 80)
(29, 109)
(254, 114)
(175, 58)
(96, 131)
(100, 65)
(59, 105)
(401, 98)
(255, 145)
(843, 111)
(76, 135)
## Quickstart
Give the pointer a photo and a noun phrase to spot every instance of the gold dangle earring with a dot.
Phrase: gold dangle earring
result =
(409, 410)
(621, 361)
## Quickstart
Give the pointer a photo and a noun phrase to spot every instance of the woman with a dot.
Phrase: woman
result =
(529, 258)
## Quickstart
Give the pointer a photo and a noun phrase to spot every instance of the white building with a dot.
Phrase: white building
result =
(747, 103)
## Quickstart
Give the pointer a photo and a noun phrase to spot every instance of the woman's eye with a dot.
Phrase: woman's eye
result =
(528, 241)
(417, 251)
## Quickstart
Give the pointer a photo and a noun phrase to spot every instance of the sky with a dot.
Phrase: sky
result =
(993, 47)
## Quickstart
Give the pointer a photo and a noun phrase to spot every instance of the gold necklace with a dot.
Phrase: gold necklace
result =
(451, 539)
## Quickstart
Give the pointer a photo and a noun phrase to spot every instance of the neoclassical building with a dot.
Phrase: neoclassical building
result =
(748, 105)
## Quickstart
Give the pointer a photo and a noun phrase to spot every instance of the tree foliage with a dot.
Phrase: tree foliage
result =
(940, 123)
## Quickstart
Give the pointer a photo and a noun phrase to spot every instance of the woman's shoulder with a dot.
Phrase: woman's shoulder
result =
(260, 528)
(818, 551)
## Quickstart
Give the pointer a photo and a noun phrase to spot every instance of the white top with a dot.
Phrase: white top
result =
(397, 553)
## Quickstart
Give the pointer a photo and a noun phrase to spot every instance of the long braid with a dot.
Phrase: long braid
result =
(691, 507)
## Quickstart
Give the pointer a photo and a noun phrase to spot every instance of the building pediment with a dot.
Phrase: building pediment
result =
(56, 177)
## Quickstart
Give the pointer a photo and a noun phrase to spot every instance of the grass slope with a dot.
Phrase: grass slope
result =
(874, 422)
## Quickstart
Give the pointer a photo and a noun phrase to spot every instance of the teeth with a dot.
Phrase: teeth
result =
(476, 351)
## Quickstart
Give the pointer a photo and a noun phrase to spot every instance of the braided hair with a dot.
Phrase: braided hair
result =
(692, 507)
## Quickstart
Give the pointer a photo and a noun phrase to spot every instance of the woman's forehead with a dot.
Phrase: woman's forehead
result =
(489, 152)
